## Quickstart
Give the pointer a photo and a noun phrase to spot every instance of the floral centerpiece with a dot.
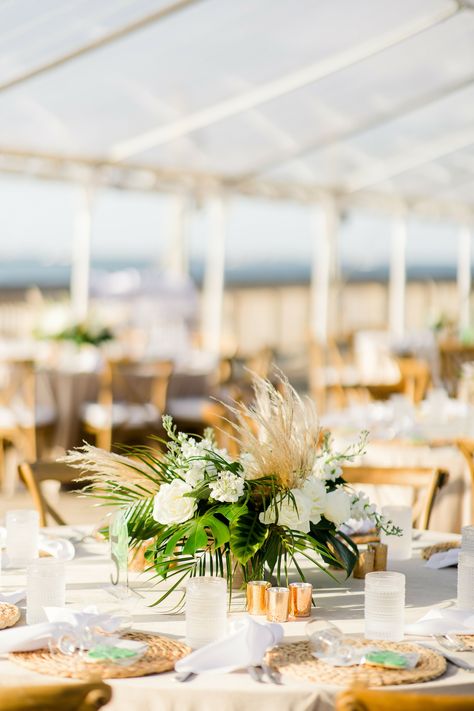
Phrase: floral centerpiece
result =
(205, 513)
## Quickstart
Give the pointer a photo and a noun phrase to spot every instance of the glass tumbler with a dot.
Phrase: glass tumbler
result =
(45, 587)
(205, 610)
(384, 606)
(399, 547)
(22, 537)
(467, 541)
(465, 580)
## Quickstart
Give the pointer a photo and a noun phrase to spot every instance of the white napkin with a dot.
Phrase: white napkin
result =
(355, 526)
(60, 621)
(244, 646)
(443, 620)
(444, 559)
(60, 548)
(13, 597)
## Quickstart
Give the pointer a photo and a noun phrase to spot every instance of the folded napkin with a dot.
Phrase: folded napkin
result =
(444, 559)
(61, 621)
(244, 646)
(354, 526)
(443, 620)
(13, 597)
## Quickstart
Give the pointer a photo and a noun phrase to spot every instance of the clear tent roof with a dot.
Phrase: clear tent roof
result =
(371, 99)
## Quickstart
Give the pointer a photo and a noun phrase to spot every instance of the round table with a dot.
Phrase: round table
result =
(341, 602)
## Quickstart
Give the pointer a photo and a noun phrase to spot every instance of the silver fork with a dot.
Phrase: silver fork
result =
(451, 642)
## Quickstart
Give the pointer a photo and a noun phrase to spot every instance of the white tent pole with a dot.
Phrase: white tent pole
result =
(80, 266)
(397, 278)
(325, 227)
(177, 258)
(281, 86)
(464, 276)
(213, 284)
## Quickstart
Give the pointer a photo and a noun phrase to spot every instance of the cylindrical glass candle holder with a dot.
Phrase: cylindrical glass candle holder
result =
(45, 587)
(399, 547)
(205, 610)
(278, 604)
(465, 580)
(257, 597)
(384, 606)
(467, 541)
(22, 537)
(300, 599)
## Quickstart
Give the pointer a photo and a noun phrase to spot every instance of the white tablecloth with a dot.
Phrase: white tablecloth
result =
(340, 602)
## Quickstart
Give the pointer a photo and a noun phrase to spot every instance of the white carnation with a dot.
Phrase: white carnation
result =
(297, 518)
(315, 490)
(227, 487)
(171, 505)
(338, 506)
(195, 474)
(361, 508)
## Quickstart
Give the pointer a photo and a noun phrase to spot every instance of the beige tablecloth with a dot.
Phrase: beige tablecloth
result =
(340, 602)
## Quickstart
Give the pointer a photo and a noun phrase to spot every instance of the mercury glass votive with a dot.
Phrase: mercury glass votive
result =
(278, 604)
(257, 597)
(300, 599)
(22, 537)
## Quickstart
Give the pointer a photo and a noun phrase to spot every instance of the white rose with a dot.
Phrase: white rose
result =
(297, 518)
(171, 505)
(338, 506)
(315, 490)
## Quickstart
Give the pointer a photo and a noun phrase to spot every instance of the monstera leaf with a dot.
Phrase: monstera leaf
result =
(247, 535)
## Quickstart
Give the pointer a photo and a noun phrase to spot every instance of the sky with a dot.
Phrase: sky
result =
(37, 220)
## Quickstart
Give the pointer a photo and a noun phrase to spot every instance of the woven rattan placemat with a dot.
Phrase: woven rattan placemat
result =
(427, 552)
(295, 659)
(468, 640)
(9, 615)
(161, 655)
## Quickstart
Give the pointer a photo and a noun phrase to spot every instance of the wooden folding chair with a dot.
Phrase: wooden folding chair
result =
(367, 700)
(415, 378)
(466, 447)
(218, 417)
(424, 481)
(118, 389)
(52, 697)
(33, 474)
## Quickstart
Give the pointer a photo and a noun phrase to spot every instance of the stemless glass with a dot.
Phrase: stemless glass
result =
(467, 541)
(327, 642)
(384, 606)
(22, 537)
(205, 610)
(399, 547)
(465, 599)
(45, 587)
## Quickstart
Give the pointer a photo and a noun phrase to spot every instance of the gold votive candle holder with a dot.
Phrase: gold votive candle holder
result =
(278, 604)
(380, 555)
(257, 597)
(300, 599)
(365, 564)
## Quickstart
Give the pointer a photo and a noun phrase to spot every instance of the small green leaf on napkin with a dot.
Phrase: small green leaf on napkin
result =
(103, 652)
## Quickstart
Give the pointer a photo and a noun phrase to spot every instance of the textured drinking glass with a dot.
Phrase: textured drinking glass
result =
(466, 580)
(205, 610)
(22, 537)
(45, 587)
(399, 547)
(384, 606)
(467, 542)
(300, 599)
(257, 597)
(278, 604)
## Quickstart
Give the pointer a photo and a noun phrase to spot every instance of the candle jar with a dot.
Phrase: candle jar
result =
(300, 599)
(45, 587)
(384, 606)
(278, 603)
(399, 547)
(465, 599)
(257, 597)
(22, 537)
(205, 610)
(365, 564)
(380, 551)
